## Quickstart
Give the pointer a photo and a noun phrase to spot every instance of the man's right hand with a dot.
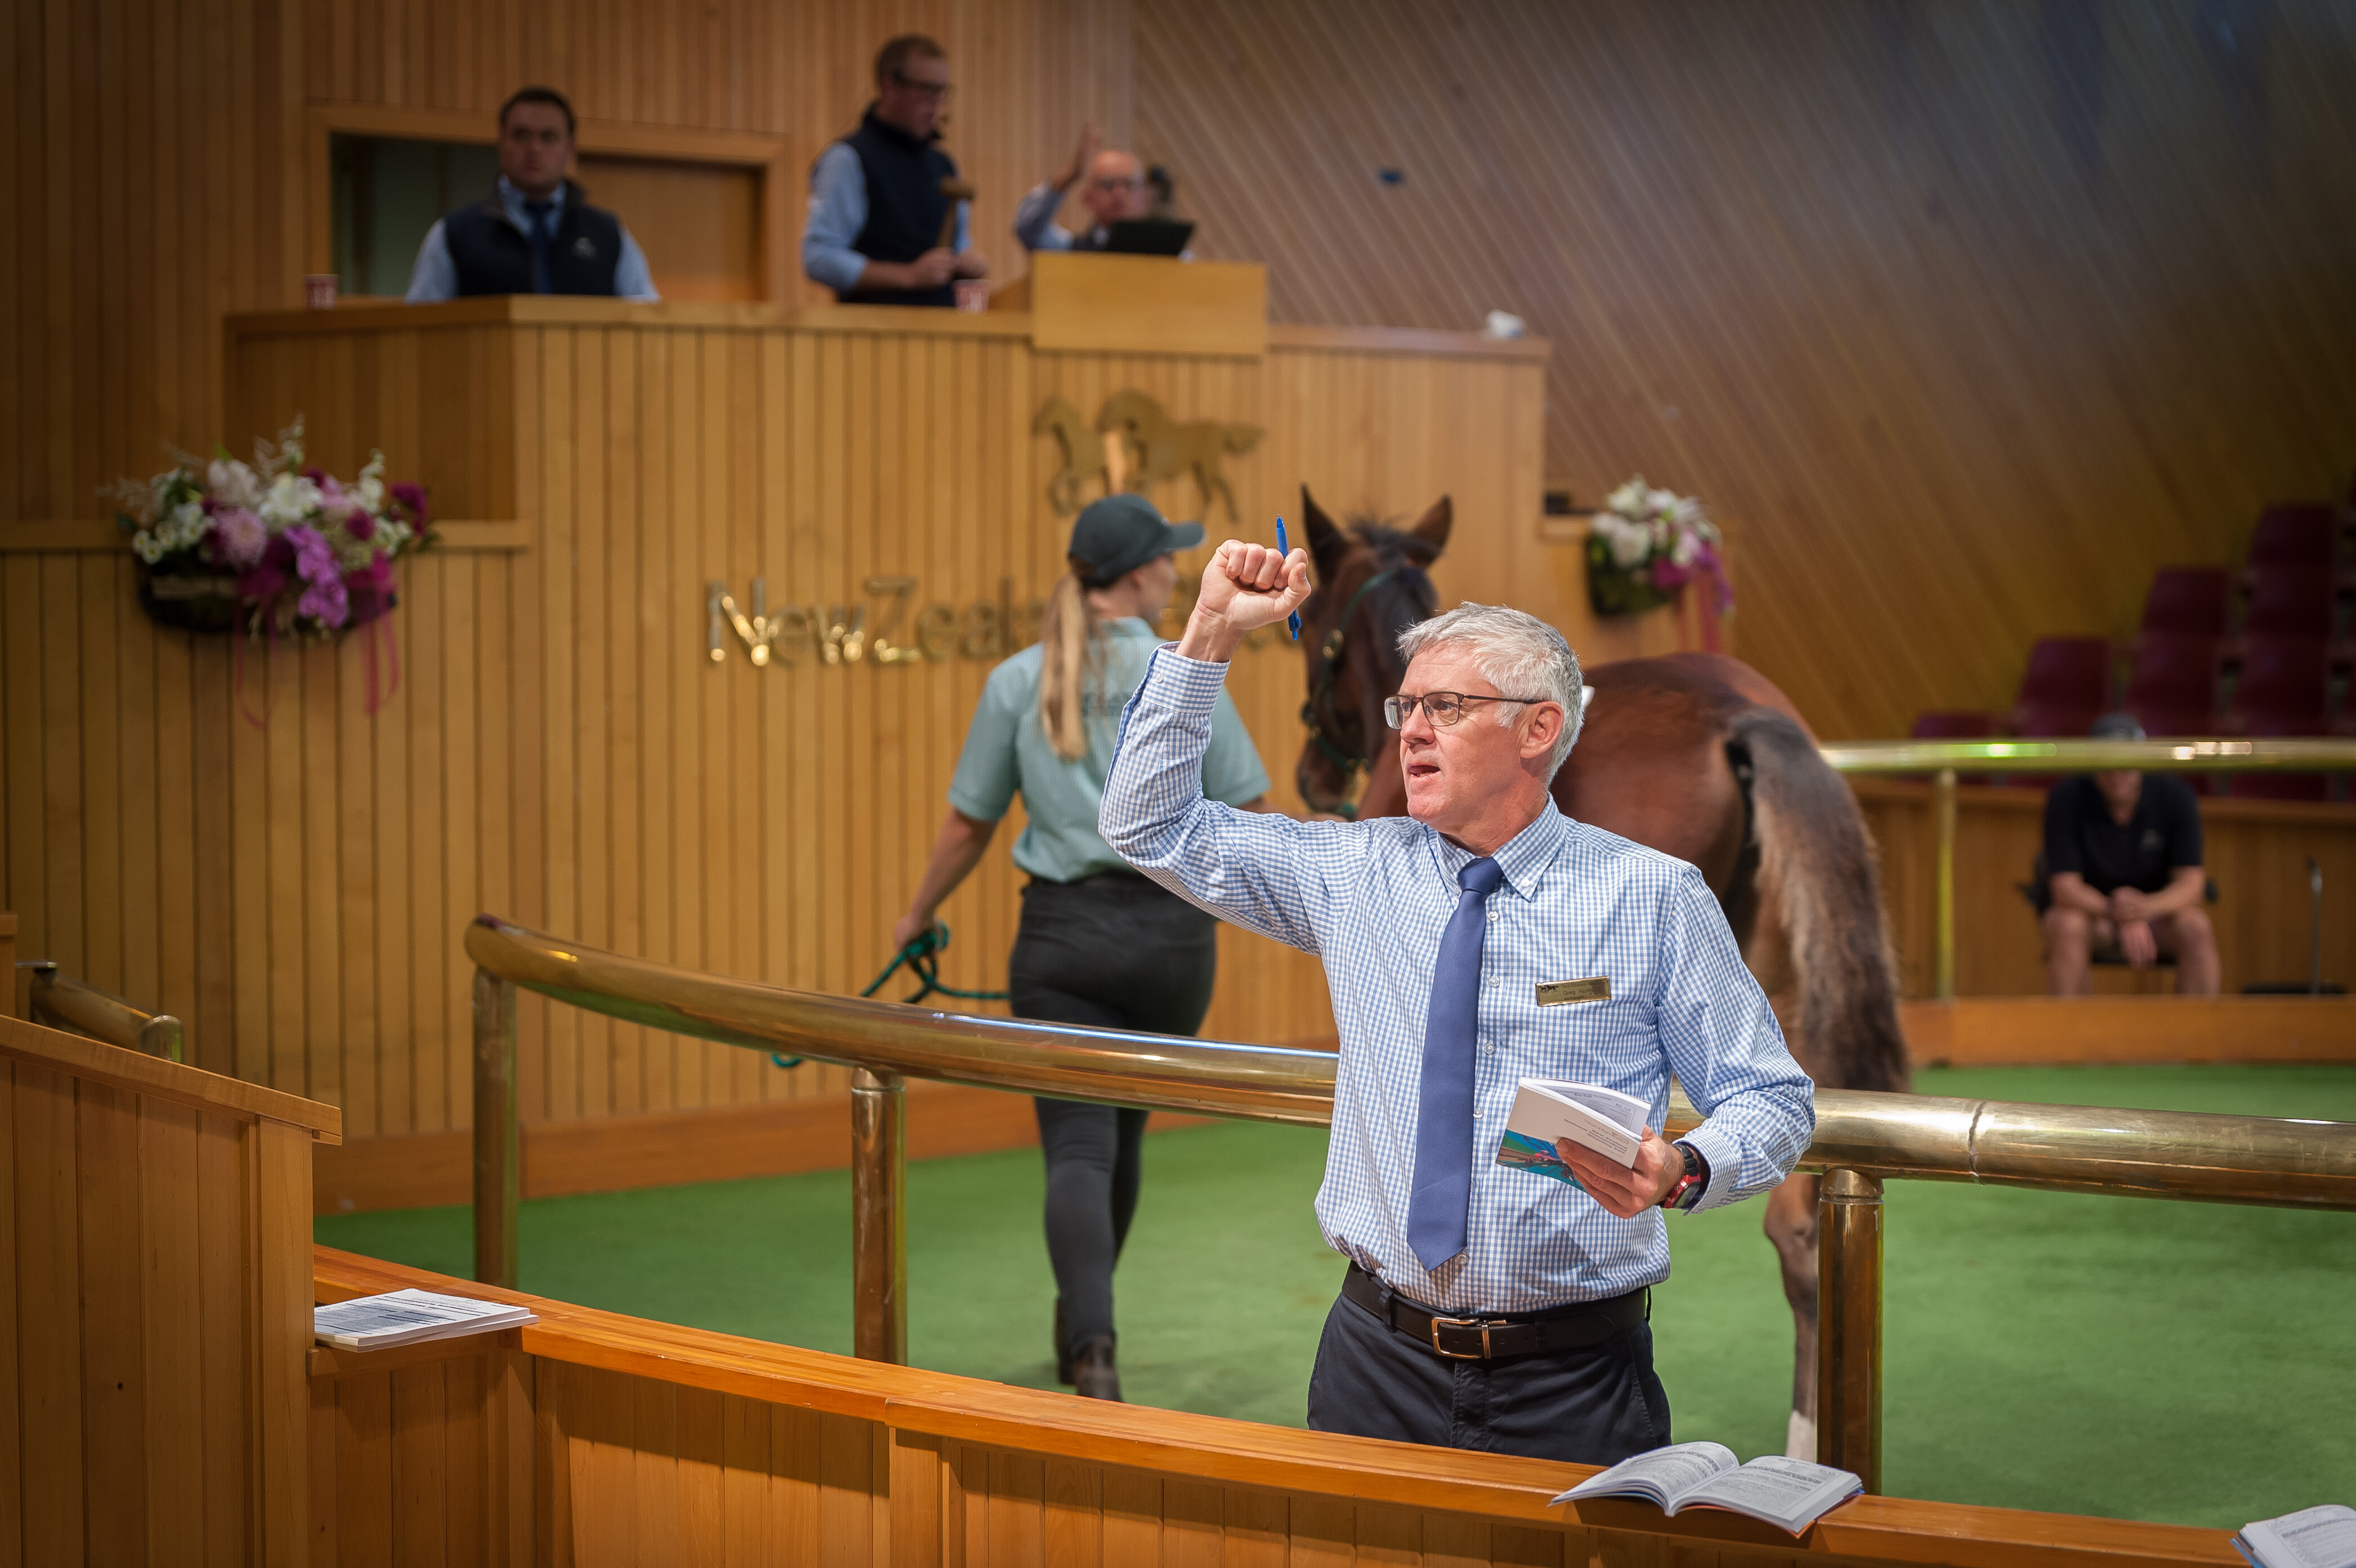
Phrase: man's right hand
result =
(1244, 587)
(2136, 944)
(1091, 143)
(931, 270)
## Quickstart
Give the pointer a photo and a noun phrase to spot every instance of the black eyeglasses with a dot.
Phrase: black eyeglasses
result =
(1443, 708)
(925, 89)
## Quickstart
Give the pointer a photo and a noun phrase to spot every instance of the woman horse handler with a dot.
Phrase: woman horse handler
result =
(1099, 945)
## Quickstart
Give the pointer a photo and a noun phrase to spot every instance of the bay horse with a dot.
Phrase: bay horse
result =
(1695, 755)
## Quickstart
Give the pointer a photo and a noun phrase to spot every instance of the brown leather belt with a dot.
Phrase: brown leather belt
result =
(1574, 1328)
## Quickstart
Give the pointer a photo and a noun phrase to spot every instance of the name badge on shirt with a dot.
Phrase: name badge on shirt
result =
(1555, 993)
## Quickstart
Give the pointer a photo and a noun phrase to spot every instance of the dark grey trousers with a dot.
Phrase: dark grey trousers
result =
(1595, 1406)
(1113, 952)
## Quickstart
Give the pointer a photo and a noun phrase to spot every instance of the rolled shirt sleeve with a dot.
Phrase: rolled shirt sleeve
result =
(631, 278)
(838, 211)
(433, 277)
(988, 772)
(1036, 228)
(1726, 1048)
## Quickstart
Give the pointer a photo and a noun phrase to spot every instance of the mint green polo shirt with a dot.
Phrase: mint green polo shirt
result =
(1006, 750)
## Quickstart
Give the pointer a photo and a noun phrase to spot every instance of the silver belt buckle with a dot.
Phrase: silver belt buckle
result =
(1439, 1349)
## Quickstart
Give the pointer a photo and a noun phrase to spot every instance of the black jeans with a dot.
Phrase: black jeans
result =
(1594, 1406)
(1112, 952)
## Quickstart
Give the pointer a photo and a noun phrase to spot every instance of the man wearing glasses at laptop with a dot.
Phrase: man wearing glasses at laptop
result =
(1484, 1307)
(1113, 187)
(879, 231)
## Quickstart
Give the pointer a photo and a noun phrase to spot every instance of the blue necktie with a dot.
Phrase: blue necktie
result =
(538, 212)
(1438, 1211)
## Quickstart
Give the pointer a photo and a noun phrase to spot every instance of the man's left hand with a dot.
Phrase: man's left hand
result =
(1625, 1190)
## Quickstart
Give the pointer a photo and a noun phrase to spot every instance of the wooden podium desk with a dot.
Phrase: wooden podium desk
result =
(575, 741)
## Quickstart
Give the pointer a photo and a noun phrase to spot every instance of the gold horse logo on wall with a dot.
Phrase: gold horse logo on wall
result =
(1136, 445)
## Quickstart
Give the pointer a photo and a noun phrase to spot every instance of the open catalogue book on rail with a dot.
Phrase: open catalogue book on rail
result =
(2321, 1537)
(409, 1318)
(1790, 1494)
(1545, 1108)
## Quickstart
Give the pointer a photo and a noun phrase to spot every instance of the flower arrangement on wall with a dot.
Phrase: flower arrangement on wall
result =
(1645, 545)
(273, 548)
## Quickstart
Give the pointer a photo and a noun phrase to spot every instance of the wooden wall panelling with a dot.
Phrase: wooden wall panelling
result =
(1913, 299)
(155, 1253)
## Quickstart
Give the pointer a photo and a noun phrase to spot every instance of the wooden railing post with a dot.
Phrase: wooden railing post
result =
(499, 1178)
(1943, 977)
(879, 1216)
(1848, 1324)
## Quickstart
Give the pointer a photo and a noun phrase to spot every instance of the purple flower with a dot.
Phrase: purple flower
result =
(240, 537)
(412, 500)
(370, 590)
(360, 525)
(324, 599)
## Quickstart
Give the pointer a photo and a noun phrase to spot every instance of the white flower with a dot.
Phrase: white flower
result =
(231, 482)
(371, 488)
(188, 524)
(1682, 552)
(290, 499)
(1657, 501)
(1685, 512)
(1628, 543)
(150, 549)
(1629, 499)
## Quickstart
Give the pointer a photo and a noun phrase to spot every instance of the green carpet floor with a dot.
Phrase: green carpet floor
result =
(2175, 1361)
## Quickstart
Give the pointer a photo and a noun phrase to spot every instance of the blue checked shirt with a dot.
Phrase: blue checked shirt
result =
(1371, 900)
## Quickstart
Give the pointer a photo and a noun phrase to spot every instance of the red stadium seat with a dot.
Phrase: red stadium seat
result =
(2186, 601)
(2293, 601)
(2285, 690)
(2298, 536)
(2172, 690)
(2066, 687)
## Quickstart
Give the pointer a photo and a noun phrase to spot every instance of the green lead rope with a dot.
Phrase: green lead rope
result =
(923, 958)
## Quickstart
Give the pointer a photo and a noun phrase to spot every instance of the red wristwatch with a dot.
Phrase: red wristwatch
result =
(1687, 1192)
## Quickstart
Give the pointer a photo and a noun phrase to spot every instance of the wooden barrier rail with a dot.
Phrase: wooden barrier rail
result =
(1946, 759)
(1860, 1138)
(591, 1438)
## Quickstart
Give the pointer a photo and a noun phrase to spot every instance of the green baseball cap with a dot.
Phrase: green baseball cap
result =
(1117, 535)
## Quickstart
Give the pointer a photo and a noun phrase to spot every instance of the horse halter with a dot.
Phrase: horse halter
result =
(1320, 689)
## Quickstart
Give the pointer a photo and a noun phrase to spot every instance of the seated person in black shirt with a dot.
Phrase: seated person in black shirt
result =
(2123, 850)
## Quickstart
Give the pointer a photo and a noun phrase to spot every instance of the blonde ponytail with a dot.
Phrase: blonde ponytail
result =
(1067, 647)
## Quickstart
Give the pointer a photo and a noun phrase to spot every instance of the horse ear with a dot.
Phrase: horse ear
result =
(1325, 540)
(1429, 538)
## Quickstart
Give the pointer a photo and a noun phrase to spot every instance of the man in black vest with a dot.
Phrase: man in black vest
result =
(882, 228)
(535, 232)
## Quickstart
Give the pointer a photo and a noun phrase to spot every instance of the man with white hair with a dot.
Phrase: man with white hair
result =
(1484, 1307)
(1114, 191)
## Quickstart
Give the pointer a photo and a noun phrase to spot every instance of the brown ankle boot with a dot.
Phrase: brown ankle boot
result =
(1092, 1372)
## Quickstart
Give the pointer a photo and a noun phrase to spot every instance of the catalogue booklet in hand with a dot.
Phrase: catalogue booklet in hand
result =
(2321, 1537)
(1790, 1494)
(1604, 1119)
(408, 1317)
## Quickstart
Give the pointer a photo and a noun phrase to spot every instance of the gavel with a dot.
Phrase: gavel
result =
(957, 190)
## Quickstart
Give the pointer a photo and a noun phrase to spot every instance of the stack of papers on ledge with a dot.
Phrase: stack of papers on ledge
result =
(1790, 1494)
(2321, 1537)
(409, 1318)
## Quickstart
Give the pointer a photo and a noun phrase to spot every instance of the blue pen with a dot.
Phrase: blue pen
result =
(1292, 622)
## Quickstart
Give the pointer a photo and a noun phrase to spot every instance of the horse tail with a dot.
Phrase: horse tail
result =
(1818, 863)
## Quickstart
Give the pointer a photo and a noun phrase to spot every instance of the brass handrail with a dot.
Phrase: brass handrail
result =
(1948, 759)
(66, 1003)
(1860, 1139)
(2022, 755)
(2066, 1148)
